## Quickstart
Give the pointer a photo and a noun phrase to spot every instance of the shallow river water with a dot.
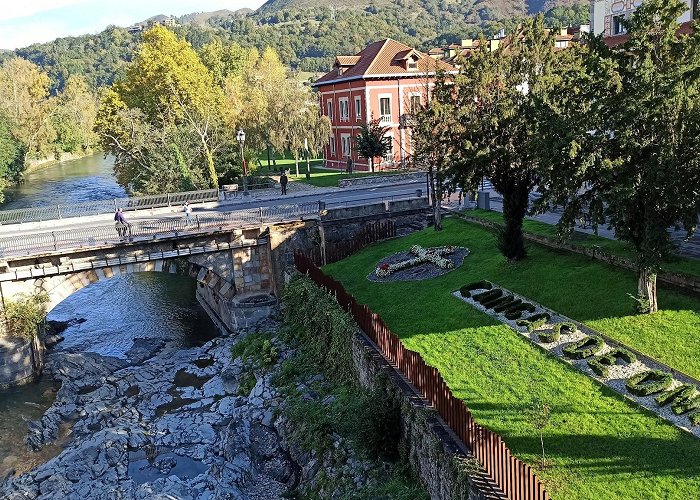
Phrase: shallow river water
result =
(118, 314)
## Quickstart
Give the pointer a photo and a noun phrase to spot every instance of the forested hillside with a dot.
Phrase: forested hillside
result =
(306, 33)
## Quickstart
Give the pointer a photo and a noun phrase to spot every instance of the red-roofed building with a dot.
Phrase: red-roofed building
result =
(384, 81)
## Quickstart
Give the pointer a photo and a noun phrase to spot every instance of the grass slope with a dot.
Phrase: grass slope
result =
(600, 445)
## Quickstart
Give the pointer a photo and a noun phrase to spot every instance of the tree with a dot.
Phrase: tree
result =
(632, 159)
(11, 156)
(25, 102)
(538, 416)
(371, 142)
(492, 119)
(74, 117)
(174, 94)
(433, 141)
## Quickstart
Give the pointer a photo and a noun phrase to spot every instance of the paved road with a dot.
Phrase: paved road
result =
(333, 198)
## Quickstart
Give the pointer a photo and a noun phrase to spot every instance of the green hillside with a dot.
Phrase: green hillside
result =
(307, 34)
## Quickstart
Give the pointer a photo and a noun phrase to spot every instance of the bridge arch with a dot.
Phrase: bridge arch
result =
(59, 287)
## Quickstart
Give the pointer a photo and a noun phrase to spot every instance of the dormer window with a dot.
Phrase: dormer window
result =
(412, 64)
(340, 70)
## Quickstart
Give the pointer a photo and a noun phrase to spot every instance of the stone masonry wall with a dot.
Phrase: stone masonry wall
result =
(20, 361)
(370, 180)
(436, 456)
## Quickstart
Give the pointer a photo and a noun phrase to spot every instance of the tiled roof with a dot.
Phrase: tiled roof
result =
(615, 40)
(347, 60)
(384, 57)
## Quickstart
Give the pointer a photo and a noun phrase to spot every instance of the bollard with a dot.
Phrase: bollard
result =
(419, 193)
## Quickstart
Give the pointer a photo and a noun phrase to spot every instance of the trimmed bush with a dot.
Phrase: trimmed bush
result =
(466, 290)
(694, 417)
(548, 337)
(492, 304)
(488, 295)
(566, 328)
(648, 382)
(534, 322)
(680, 407)
(584, 348)
(506, 304)
(601, 364)
(514, 312)
(680, 393)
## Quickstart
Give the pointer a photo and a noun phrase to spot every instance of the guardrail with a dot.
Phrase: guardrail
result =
(68, 210)
(110, 235)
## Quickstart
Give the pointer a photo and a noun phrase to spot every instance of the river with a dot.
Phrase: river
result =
(85, 179)
(149, 307)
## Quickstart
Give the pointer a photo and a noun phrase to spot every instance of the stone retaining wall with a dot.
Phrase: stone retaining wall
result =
(436, 455)
(20, 361)
(370, 180)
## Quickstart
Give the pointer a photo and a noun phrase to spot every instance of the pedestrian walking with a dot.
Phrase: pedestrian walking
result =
(283, 182)
(188, 213)
(120, 224)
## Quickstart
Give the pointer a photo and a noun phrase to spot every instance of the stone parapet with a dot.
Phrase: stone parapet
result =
(21, 361)
(372, 180)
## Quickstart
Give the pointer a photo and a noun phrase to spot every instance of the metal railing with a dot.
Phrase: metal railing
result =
(515, 478)
(110, 235)
(67, 210)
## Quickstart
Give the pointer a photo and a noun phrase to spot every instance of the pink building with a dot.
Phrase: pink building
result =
(384, 81)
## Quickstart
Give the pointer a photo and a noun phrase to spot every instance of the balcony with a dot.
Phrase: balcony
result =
(385, 119)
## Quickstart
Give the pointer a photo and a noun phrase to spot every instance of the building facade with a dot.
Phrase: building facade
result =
(607, 15)
(386, 81)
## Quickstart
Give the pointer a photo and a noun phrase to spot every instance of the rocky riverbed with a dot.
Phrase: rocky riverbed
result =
(172, 423)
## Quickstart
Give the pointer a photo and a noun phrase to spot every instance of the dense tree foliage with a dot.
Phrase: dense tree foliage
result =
(371, 142)
(623, 135)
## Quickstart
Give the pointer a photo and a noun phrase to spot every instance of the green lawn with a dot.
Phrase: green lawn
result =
(600, 445)
(680, 265)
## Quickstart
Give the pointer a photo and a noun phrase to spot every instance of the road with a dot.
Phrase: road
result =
(332, 197)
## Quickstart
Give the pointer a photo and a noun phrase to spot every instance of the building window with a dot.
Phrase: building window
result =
(329, 105)
(385, 109)
(617, 26)
(344, 109)
(414, 104)
(346, 145)
(412, 65)
(358, 108)
(331, 143)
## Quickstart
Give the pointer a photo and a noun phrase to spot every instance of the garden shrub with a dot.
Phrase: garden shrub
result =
(694, 417)
(680, 393)
(648, 382)
(24, 314)
(515, 311)
(601, 364)
(506, 304)
(584, 348)
(566, 328)
(684, 406)
(492, 304)
(467, 290)
(548, 337)
(534, 322)
(488, 295)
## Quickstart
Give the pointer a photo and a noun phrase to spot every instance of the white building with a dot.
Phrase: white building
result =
(607, 15)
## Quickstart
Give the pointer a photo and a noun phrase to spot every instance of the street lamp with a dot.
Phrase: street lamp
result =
(240, 136)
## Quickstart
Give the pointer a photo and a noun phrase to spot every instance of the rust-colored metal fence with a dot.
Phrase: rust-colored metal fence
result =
(370, 233)
(515, 478)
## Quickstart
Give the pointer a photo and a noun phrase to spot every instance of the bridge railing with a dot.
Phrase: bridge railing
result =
(92, 237)
(68, 210)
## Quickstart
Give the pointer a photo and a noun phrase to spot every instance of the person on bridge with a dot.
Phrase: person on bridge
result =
(121, 223)
(283, 182)
(188, 213)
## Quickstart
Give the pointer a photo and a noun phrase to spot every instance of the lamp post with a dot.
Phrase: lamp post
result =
(241, 141)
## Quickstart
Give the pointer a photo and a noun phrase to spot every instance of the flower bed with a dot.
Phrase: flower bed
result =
(419, 263)
(635, 376)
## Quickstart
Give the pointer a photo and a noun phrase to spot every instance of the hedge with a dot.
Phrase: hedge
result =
(681, 392)
(488, 295)
(684, 406)
(694, 417)
(648, 382)
(507, 305)
(548, 337)
(584, 348)
(601, 364)
(466, 290)
(492, 304)
(514, 312)
(565, 328)
(534, 322)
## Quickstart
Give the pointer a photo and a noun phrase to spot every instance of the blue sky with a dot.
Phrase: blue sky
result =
(23, 22)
